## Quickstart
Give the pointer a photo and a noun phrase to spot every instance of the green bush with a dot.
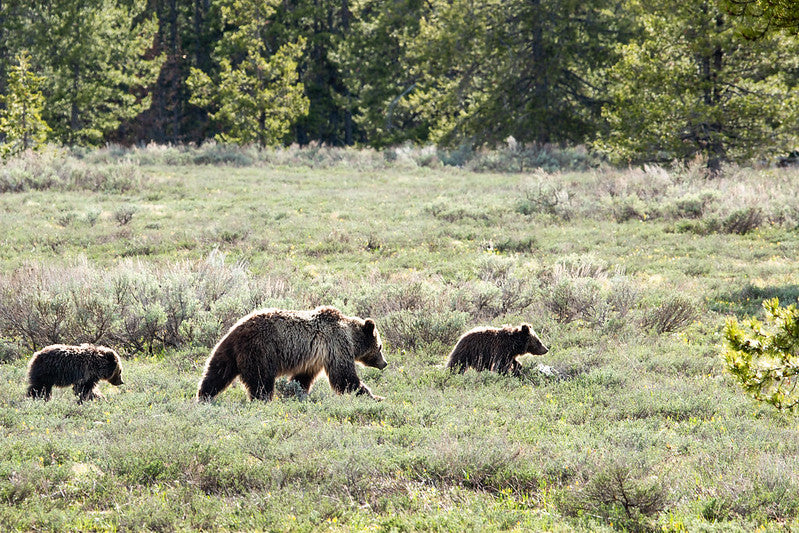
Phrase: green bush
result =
(764, 358)
(743, 221)
(626, 495)
(54, 170)
(133, 306)
(672, 315)
(410, 330)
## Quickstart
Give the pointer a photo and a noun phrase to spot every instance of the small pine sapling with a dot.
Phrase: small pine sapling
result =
(764, 357)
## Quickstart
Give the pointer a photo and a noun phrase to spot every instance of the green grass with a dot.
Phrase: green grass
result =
(635, 431)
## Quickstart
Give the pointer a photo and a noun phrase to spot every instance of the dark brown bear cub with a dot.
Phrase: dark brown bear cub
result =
(270, 343)
(495, 349)
(81, 366)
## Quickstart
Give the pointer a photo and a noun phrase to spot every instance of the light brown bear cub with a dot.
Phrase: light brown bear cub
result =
(62, 365)
(270, 343)
(495, 349)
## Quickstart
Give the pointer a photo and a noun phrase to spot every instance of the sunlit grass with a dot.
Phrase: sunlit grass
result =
(428, 253)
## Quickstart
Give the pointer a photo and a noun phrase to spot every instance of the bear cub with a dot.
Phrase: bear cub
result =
(81, 366)
(495, 349)
(270, 343)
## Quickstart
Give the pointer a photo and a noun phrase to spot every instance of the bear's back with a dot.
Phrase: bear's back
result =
(507, 341)
(60, 364)
(290, 332)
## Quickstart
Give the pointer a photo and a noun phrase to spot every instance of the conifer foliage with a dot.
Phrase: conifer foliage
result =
(21, 122)
(764, 357)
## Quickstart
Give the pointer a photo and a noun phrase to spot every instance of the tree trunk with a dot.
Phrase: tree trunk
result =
(345, 26)
(174, 50)
(262, 129)
(711, 67)
(3, 51)
(540, 75)
(74, 113)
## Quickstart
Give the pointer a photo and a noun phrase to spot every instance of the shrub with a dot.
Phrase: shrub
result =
(743, 221)
(124, 214)
(515, 157)
(572, 299)
(629, 208)
(135, 307)
(380, 299)
(409, 330)
(52, 169)
(515, 292)
(9, 351)
(512, 157)
(623, 494)
(480, 299)
(693, 205)
(763, 358)
(580, 288)
(540, 197)
(670, 316)
(91, 216)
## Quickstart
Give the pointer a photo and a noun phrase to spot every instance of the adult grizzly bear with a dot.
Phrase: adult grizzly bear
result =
(62, 365)
(495, 349)
(270, 343)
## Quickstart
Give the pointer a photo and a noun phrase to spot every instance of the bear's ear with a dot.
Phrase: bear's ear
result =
(369, 326)
(110, 355)
(526, 329)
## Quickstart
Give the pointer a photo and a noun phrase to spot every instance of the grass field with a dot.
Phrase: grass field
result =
(630, 422)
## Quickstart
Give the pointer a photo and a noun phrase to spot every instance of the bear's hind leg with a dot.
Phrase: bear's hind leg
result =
(458, 360)
(305, 381)
(259, 386)
(43, 392)
(218, 375)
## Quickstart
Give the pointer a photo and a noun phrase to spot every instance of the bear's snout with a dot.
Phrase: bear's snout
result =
(382, 364)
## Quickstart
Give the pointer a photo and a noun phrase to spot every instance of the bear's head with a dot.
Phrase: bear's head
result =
(534, 344)
(112, 365)
(369, 348)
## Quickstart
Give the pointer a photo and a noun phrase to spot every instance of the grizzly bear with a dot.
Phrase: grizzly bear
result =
(81, 366)
(495, 349)
(270, 343)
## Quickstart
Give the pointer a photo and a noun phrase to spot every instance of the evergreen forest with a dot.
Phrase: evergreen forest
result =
(634, 81)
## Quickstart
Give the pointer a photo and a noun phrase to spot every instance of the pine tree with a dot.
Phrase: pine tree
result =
(95, 57)
(373, 61)
(764, 357)
(459, 71)
(694, 86)
(256, 95)
(21, 120)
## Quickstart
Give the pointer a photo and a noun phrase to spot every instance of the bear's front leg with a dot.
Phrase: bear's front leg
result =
(87, 391)
(363, 389)
(503, 366)
(343, 378)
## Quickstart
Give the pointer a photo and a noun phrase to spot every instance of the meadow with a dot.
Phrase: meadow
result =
(630, 422)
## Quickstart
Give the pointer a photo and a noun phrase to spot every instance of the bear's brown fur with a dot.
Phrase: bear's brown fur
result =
(270, 343)
(495, 349)
(81, 366)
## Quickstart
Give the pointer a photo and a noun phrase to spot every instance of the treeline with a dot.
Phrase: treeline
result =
(638, 81)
